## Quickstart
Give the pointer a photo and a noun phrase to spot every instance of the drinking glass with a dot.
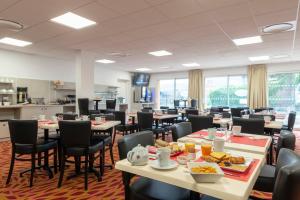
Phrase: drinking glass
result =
(206, 148)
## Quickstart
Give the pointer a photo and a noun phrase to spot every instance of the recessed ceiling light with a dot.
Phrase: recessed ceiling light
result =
(72, 20)
(191, 64)
(281, 56)
(247, 40)
(259, 58)
(105, 61)
(143, 69)
(160, 53)
(14, 42)
(280, 27)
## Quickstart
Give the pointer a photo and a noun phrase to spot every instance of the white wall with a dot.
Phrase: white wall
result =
(106, 76)
(21, 65)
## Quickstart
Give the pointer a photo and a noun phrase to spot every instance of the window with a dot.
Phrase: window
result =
(173, 89)
(226, 91)
(284, 91)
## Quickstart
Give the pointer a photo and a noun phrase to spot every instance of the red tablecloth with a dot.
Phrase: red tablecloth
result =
(249, 141)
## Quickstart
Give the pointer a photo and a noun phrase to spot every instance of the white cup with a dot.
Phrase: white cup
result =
(163, 156)
(98, 119)
(85, 117)
(42, 117)
(219, 144)
(236, 130)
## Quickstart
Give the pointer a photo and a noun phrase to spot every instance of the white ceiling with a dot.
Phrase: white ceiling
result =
(193, 30)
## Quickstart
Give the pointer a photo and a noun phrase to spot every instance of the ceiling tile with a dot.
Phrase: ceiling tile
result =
(178, 8)
(266, 6)
(4, 4)
(276, 17)
(156, 2)
(125, 7)
(194, 21)
(209, 5)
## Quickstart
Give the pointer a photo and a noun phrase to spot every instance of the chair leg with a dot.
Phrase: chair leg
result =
(101, 166)
(11, 167)
(114, 136)
(62, 170)
(32, 168)
(59, 152)
(86, 171)
(40, 158)
(111, 154)
(55, 160)
(103, 160)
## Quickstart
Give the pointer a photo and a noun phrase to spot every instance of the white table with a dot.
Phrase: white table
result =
(236, 146)
(226, 188)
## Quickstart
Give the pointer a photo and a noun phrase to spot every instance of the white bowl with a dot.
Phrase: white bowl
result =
(205, 177)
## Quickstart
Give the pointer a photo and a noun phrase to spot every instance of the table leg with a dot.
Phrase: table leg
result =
(97, 105)
(46, 155)
(156, 123)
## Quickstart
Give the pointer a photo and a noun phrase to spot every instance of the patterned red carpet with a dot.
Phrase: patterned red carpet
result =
(111, 187)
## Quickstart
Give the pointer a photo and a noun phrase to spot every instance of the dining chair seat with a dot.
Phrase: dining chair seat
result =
(41, 146)
(266, 179)
(149, 189)
(78, 151)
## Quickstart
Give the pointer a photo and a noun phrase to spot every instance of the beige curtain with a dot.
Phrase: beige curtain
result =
(196, 87)
(257, 86)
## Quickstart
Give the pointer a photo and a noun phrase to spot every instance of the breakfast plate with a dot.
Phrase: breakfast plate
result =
(238, 167)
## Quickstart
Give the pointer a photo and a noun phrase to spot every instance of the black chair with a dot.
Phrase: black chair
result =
(164, 107)
(291, 121)
(287, 180)
(124, 128)
(181, 129)
(176, 103)
(145, 123)
(266, 179)
(83, 106)
(194, 103)
(24, 140)
(107, 117)
(145, 188)
(191, 112)
(147, 110)
(76, 140)
(110, 105)
(263, 109)
(252, 126)
(236, 112)
(200, 122)
(255, 116)
(226, 114)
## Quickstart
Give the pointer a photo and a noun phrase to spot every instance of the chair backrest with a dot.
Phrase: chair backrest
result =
(145, 120)
(75, 133)
(111, 104)
(236, 112)
(176, 103)
(164, 107)
(69, 116)
(263, 109)
(147, 110)
(191, 112)
(200, 122)
(23, 131)
(256, 116)
(252, 126)
(108, 117)
(285, 140)
(83, 106)
(194, 103)
(226, 115)
(287, 177)
(120, 116)
(291, 120)
(173, 111)
(181, 129)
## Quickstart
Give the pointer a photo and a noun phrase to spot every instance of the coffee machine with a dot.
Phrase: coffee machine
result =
(22, 94)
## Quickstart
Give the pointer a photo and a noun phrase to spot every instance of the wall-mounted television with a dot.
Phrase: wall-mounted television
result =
(140, 79)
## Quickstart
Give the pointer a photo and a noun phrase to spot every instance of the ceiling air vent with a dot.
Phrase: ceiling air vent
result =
(280, 27)
(10, 25)
(119, 54)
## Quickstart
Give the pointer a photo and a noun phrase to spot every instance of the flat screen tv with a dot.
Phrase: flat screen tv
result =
(140, 79)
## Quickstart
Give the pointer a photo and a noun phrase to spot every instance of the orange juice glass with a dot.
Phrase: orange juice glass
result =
(206, 149)
(190, 147)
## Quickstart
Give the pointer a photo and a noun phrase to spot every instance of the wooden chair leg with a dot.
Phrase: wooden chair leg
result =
(62, 170)
(11, 167)
(32, 168)
(55, 160)
(86, 172)
(111, 154)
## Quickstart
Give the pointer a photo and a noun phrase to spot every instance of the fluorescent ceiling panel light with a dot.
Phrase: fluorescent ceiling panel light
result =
(191, 64)
(143, 69)
(247, 40)
(72, 20)
(281, 56)
(105, 61)
(14, 42)
(259, 58)
(160, 53)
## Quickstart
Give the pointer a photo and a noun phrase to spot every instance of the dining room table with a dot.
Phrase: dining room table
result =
(156, 117)
(232, 186)
(258, 144)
